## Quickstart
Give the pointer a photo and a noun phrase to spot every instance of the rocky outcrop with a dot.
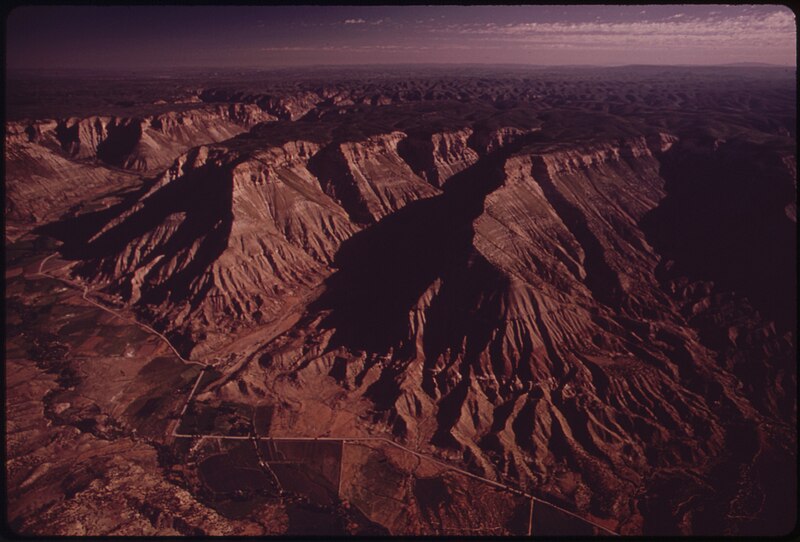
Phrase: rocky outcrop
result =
(288, 106)
(534, 337)
(42, 182)
(546, 234)
(488, 140)
(451, 153)
(221, 240)
(52, 165)
(150, 143)
(439, 156)
(368, 177)
(568, 300)
(228, 239)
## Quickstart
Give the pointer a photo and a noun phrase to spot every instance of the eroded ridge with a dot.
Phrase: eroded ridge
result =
(525, 306)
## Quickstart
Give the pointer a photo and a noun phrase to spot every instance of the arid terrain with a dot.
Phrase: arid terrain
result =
(466, 301)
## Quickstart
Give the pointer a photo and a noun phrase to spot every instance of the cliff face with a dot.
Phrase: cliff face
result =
(581, 317)
(221, 238)
(51, 165)
(439, 155)
(532, 330)
(490, 140)
(554, 240)
(151, 143)
(290, 106)
(369, 178)
(41, 181)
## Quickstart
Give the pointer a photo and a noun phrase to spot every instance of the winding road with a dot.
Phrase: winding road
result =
(342, 439)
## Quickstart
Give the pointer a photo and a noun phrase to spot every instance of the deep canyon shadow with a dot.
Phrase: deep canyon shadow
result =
(724, 220)
(383, 270)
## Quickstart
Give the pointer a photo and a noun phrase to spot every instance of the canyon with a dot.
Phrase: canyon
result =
(578, 285)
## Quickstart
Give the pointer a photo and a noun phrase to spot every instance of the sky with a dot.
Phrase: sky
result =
(162, 37)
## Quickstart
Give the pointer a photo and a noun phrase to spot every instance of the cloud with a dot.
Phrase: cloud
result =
(365, 21)
(775, 30)
(767, 34)
(350, 48)
(286, 49)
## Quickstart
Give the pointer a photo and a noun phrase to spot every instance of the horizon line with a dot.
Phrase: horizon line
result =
(389, 65)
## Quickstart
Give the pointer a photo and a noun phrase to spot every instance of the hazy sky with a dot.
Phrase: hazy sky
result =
(138, 37)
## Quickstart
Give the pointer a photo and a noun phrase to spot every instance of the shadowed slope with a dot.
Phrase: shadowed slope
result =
(383, 271)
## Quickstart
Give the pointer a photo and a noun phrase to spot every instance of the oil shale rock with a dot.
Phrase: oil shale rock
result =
(590, 298)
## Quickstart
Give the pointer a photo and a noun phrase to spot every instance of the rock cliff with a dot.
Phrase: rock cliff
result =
(369, 178)
(221, 239)
(594, 304)
(537, 336)
(52, 164)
